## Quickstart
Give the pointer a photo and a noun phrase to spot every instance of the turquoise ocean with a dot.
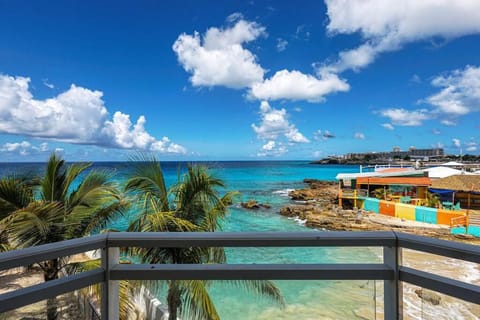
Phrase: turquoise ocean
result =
(268, 182)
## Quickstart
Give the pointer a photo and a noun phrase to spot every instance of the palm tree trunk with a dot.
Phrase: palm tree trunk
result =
(173, 300)
(51, 273)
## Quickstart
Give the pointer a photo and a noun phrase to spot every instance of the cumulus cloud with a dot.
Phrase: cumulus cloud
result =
(272, 149)
(460, 92)
(219, 58)
(23, 148)
(275, 124)
(359, 136)
(389, 25)
(436, 131)
(403, 117)
(294, 85)
(388, 126)
(77, 115)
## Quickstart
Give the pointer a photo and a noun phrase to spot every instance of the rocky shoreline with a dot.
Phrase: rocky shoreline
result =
(317, 204)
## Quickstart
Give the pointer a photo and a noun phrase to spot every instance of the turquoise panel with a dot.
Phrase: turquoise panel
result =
(424, 214)
(458, 230)
(474, 230)
(371, 204)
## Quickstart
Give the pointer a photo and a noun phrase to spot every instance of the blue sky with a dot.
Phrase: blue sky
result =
(237, 80)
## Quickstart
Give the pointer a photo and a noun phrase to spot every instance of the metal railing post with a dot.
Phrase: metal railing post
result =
(392, 289)
(110, 293)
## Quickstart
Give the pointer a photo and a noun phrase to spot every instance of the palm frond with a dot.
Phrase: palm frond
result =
(197, 301)
(147, 180)
(14, 195)
(53, 182)
(265, 288)
(38, 223)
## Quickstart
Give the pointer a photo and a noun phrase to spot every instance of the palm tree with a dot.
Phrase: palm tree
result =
(193, 204)
(63, 208)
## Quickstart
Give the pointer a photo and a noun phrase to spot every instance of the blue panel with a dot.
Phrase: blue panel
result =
(458, 230)
(474, 230)
(424, 214)
(372, 205)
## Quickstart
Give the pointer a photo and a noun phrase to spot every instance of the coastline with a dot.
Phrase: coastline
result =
(317, 207)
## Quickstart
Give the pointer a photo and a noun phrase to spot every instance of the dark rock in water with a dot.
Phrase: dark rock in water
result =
(254, 205)
(428, 296)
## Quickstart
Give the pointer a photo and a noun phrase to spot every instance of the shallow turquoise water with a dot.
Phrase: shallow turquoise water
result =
(268, 182)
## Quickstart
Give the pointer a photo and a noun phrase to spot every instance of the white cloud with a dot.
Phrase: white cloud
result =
(402, 117)
(218, 58)
(460, 93)
(77, 115)
(275, 124)
(436, 131)
(23, 148)
(388, 25)
(438, 145)
(388, 126)
(294, 85)
(359, 135)
(281, 44)
(456, 142)
(272, 149)
(448, 123)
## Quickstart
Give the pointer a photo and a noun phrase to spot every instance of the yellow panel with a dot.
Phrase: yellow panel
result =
(405, 211)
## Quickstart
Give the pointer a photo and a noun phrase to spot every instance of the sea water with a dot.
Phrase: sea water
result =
(268, 182)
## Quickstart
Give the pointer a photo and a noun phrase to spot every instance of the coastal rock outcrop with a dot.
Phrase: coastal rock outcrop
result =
(254, 205)
(318, 205)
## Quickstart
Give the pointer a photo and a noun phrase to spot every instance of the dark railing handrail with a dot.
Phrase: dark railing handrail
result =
(391, 270)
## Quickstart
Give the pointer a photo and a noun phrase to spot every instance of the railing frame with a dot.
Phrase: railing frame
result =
(390, 271)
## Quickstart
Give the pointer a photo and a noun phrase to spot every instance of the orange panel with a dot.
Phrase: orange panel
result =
(445, 216)
(415, 181)
(387, 208)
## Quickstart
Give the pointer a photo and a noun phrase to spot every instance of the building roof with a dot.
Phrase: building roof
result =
(459, 183)
(441, 172)
(452, 164)
(413, 181)
(357, 175)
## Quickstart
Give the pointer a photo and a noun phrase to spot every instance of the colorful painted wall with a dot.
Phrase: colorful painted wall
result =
(418, 213)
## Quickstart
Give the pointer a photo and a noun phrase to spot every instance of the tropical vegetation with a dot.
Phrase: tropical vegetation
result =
(69, 201)
(192, 204)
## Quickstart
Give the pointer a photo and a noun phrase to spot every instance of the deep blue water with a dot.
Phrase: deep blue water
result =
(266, 182)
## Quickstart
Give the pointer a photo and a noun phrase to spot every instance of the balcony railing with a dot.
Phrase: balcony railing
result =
(390, 270)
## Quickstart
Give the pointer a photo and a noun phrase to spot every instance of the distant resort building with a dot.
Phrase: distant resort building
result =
(396, 153)
(439, 195)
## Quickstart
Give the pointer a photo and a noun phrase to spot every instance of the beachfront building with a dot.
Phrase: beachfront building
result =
(410, 194)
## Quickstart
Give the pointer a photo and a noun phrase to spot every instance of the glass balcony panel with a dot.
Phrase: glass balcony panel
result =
(303, 300)
(425, 304)
(443, 266)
